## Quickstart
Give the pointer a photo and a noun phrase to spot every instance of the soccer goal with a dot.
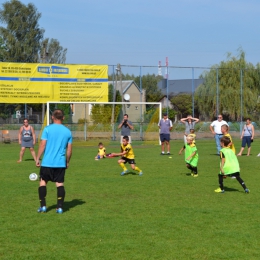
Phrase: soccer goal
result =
(100, 120)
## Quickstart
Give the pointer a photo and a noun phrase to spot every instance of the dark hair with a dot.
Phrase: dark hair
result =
(225, 140)
(248, 119)
(100, 144)
(58, 114)
(126, 138)
(126, 115)
(26, 119)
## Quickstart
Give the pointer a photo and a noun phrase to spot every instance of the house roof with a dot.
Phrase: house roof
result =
(179, 86)
(126, 84)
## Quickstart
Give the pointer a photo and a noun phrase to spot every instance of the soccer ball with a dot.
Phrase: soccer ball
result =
(33, 177)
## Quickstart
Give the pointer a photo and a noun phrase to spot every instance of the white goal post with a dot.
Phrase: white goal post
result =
(104, 103)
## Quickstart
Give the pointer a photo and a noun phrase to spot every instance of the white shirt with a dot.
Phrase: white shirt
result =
(217, 126)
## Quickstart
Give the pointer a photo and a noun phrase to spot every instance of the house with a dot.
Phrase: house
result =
(179, 86)
(130, 92)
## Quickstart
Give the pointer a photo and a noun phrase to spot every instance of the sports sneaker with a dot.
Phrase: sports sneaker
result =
(247, 190)
(124, 172)
(162, 153)
(140, 173)
(42, 209)
(59, 210)
(195, 175)
(168, 153)
(258, 155)
(219, 190)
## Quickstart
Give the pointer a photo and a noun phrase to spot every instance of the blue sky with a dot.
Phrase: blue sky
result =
(190, 33)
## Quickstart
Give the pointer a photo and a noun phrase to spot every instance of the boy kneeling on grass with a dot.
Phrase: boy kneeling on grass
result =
(191, 155)
(229, 165)
(127, 154)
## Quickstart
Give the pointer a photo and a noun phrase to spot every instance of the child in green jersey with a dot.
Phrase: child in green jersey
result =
(191, 155)
(229, 165)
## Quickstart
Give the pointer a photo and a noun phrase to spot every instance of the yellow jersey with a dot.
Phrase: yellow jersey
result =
(232, 146)
(128, 148)
(102, 151)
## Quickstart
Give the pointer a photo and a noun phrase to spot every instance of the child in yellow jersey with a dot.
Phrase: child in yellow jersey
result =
(127, 154)
(224, 130)
(101, 152)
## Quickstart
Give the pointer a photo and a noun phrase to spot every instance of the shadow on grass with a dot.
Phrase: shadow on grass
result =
(131, 173)
(29, 160)
(230, 189)
(67, 205)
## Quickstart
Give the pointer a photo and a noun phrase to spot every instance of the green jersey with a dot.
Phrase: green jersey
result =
(189, 149)
(231, 164)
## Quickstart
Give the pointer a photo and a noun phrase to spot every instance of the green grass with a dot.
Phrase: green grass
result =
(164, 214)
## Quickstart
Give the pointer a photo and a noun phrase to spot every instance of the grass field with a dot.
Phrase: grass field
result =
(164, 214)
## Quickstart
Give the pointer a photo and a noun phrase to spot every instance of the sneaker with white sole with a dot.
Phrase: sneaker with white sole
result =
(247, 190)
(140, 173)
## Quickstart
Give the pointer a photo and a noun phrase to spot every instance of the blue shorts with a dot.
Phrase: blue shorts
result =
(165, 137)
(246, 140)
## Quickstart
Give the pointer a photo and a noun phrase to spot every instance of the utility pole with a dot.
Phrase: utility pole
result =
(44, 56)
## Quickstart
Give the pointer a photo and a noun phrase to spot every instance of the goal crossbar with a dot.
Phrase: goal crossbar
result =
(103, 103)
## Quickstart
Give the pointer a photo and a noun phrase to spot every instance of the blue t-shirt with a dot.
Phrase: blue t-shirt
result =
(57, 136)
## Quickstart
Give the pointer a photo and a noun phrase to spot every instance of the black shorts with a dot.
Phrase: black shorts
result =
(52, 174)
(130, 161)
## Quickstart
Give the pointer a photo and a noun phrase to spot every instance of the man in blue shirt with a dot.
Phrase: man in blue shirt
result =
(56, 144)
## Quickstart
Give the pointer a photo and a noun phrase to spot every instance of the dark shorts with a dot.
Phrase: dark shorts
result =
(52, 174)
(165, 137)
(246, 140)
(130, 161)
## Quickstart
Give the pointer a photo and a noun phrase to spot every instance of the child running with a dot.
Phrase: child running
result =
(101, 152)
(224, 130)
(229, 165)
(127, 154)
(191, 155)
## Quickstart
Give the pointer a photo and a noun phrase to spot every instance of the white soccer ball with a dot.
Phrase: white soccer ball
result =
(33, 177)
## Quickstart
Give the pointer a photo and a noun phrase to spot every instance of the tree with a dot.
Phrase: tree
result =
(183, 104)
(230, 86)
(22, 35)
(52, 52)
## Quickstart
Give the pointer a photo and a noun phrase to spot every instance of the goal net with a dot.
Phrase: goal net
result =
(100, 120)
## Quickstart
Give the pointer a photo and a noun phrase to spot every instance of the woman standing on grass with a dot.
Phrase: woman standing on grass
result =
(247, 137)
(189, 122)
(27, 139)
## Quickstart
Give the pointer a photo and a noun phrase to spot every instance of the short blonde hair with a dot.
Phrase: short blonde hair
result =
(190, 137)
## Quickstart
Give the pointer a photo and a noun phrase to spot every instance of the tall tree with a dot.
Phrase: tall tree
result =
(235, 76)
(52, 52)
(22, 35)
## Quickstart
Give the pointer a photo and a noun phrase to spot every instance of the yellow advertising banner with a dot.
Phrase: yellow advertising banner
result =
(39, 83)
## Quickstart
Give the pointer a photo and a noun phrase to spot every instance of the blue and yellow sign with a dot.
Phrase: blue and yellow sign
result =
(39, 83)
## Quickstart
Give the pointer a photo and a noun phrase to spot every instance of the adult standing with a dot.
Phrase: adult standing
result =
(56, 144)
(126, 127)
(165, 126)
(215, 129)
(189, 123)
(247, 137)
(27, 139)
